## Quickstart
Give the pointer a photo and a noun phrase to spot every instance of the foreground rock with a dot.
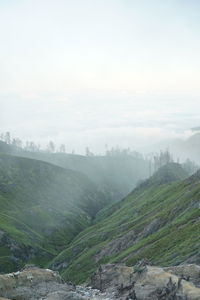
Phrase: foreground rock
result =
(111, 281)
(31, 284)
(144, 282)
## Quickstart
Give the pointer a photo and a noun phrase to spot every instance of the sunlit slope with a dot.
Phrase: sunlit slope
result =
(160, 220)
(42, 208)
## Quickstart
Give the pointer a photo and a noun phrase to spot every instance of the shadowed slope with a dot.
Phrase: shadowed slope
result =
(42, 208)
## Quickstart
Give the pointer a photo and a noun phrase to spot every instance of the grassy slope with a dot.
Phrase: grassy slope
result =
(173, 206)
(42, 205)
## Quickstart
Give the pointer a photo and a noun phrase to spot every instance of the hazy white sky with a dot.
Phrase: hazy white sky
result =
(90, 72)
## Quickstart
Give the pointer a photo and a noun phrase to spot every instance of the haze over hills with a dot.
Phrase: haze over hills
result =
(159, 221)
(117, 171)
(115, 174)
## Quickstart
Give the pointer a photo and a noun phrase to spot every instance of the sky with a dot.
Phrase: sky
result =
(96, 72)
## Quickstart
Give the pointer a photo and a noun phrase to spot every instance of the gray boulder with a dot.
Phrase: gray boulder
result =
(144, 282)
(31, 284)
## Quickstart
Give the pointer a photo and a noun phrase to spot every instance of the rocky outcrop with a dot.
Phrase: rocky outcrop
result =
(128, 239)
(117, 245)
(111, 275)
(32, 284)
(144, 282)
(42, 284)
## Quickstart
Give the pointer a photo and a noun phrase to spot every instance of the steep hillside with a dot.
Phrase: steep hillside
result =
(159, 220)
(42, 208)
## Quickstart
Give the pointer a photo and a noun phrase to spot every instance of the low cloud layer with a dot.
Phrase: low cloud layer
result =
(95, 120)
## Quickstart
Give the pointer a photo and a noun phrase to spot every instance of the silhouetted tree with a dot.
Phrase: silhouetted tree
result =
(161, 159)
(51, 147)
(88, 152)
(7, 138)
(62, 148)
(16, 142)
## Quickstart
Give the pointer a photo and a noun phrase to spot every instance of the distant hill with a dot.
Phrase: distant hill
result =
(42, 208)
(194, 140)
(183, 149)
(159, 220)
(196, 128)
(115, 176)
(191, 147)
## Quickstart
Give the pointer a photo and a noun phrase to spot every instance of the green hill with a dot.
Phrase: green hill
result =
(159, 220)
(42, 208)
